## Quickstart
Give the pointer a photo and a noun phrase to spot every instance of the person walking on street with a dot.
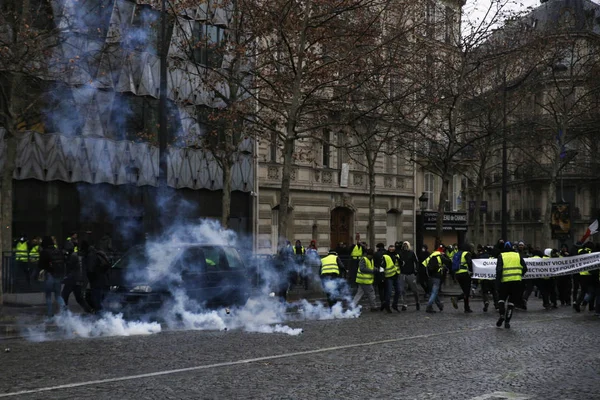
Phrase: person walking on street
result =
(463, 277)
(510, 269)
(332, 269)
(564, 282)
(585, 281)
(408, 274)
(364, 279)
(51, 266)
(392, 281)
(356, 254)
(75, 282)
(96, 269)
(488, 286)
(379, 278)
(435, 266)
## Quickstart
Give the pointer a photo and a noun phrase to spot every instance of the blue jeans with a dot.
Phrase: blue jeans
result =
(392, 283)
(434, 284)
(52, 285)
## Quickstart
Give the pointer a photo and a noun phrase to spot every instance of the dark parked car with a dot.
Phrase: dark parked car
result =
(209, 274)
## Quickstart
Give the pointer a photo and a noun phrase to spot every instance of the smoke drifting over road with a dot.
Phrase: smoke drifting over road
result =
(262, 312)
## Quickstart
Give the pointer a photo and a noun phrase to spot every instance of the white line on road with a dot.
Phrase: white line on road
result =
(244, 361)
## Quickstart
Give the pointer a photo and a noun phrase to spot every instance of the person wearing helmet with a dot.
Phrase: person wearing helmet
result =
(510, 269)
(548, 284)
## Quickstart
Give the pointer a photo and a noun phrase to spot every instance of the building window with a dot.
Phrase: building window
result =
(456, 193)
(429, 189)
(430, 18)
(326, 148)
(273, 147)
(207, 43)
(389, 159)
(144, 32)
(342, 154)
(450, 22)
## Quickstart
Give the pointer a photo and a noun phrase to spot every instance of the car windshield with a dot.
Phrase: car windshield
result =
(210, 259)
(193, 259)
(135, 257)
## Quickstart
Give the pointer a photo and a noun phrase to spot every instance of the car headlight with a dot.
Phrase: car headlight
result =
(114, 288)
(141, 289)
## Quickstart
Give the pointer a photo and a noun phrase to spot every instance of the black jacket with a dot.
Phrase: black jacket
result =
(52, 261)
(378, 262)
(75, 268)
(411, 264)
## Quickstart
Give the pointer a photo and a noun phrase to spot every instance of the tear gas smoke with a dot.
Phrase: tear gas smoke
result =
(262, 313)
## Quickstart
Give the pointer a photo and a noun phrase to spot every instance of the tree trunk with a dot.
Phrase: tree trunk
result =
(439, 224)
(371, 232)
(6, 196)
(284, 197)
(226, 211)
(478, 201)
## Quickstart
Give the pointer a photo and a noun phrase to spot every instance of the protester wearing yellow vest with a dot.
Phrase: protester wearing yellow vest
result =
(356, 254)
(586, 283)
(331, 270)
(392, 282)
(510, 269)
(463, 277)
(434, 265)
(364, 279)
(21, 251)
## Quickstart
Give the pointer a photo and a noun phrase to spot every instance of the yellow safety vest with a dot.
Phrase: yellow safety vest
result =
(357, 252)
(451, 253)
(365, 278)
(34, 254)
(512, 269)
(391, 269)
(75, 250)
(464, 267)
(329, 265)
(436, 254)
(584, 251)
(301, 251)
(21, 251)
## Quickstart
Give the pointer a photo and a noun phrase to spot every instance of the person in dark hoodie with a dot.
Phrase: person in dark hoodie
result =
(75, 282)
(463, 277)
(379, 276)
(422, 274)
(96, 273)
(408, 274)
(51, 266)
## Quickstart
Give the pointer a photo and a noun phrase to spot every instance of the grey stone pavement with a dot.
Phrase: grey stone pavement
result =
(410, 355)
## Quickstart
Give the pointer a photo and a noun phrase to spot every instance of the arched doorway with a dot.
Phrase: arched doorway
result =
(341, 226)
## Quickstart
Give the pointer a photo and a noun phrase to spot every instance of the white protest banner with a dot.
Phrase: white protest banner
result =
(541, 267)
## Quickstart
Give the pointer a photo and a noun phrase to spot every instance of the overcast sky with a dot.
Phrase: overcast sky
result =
(475, 10)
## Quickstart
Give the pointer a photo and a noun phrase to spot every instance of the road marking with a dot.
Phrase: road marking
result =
(502, 396)
(249, 360)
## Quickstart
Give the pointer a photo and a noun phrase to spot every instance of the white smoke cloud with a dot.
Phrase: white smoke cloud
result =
(261, 313)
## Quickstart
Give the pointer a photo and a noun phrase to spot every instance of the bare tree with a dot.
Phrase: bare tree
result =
(565, 100)
(446, 140)
(306, 60)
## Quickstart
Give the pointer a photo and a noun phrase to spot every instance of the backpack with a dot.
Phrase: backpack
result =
(103, 262)
(57, 262)
(456, 261)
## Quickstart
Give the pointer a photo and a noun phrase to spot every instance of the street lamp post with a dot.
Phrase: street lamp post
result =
(504, 164)
(420, 220)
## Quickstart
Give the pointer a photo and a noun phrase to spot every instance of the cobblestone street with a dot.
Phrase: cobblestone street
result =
(412, 355)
